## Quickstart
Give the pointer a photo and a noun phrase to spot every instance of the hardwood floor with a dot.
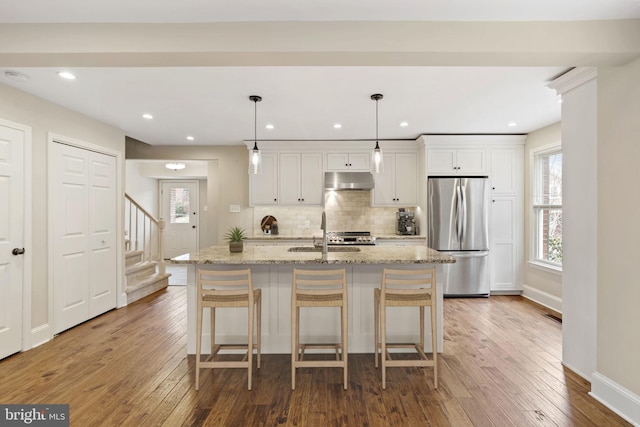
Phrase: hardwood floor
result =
(501, 366)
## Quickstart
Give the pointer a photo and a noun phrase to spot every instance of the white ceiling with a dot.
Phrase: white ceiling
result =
(313, 10)
(303, 103)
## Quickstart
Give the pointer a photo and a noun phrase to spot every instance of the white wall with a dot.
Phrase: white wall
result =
(579, 219)
(43, 117)
(141, 188)
(540, 285)
(618, 337)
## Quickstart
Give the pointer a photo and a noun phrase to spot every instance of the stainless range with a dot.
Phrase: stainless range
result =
(350, 238)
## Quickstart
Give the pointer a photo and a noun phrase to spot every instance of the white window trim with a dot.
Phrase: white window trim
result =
(533, 238)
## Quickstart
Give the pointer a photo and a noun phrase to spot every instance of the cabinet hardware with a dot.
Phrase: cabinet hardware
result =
(193, 226)
(17, 251)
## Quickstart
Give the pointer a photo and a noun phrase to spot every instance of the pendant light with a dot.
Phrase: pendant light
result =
(255, 158)
(377, 163)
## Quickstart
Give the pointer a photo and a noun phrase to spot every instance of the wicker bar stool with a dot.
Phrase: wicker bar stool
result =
(228, 289)
(405, 288)
(318, 288)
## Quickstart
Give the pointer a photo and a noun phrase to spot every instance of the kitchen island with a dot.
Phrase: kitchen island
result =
(271, 270)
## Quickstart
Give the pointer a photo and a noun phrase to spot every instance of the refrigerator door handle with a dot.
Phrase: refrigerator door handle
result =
(475, 254)
(459, 208)
(463, 220)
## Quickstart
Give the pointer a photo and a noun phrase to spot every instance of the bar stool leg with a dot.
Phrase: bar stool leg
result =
(294, 342)
(422, 327)
(345, 339)
(376, 325)
(383, 344)
(434, 343)
(259, 328)
(198, 345)
(250, 346)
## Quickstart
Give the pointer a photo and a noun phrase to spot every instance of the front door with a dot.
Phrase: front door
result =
(180, 211)
(11, 238)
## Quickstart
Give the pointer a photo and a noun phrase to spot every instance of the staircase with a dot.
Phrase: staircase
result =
(142, 276)
(144, 256)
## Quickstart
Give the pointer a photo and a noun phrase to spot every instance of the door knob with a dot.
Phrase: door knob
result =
(17, 251)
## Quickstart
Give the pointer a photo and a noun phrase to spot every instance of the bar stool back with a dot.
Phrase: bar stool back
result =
(224, 289)
(405, 288)
(318, 288)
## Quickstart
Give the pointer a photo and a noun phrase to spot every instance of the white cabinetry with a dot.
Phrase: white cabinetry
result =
(506, 213)
(300, 179)
(460, 161)
(264, 187)
(288, 179)
(398, 183)
(349, 161)
(501, 158)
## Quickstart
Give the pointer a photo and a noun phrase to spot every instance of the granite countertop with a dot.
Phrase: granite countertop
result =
(281, 255)
(310, 237)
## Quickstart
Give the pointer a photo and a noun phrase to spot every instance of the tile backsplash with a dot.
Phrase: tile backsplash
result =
(346, 210)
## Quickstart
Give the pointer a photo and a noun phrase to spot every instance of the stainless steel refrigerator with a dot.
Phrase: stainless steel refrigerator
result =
(458, 225)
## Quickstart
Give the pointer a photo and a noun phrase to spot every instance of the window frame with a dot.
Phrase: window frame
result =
(535, 188)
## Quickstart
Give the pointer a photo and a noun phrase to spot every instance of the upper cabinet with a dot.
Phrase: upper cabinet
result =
(349, 161)
(456, 161)
(264, 187)
(397, 185)
(506, 170)
(300, 180)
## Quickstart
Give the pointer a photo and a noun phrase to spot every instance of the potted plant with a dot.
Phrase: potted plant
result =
(235, 236)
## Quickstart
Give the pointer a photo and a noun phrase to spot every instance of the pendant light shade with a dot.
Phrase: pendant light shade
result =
(255, 158)
(377, 158)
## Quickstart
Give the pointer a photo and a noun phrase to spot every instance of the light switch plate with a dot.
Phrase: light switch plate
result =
(306, 223)
(234, 208)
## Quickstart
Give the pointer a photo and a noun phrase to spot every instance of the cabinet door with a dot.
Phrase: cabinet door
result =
(504, 171)
(441, 161)
(264, 187)
(384, 192)
(471, 162)
(289, 179)
(337, 161)
(503, 243)
(360, 161)
(406, 179)
(311, 179)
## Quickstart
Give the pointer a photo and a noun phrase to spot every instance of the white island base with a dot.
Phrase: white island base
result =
(318, 325)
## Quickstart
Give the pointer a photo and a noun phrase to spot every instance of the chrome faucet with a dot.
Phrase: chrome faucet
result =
(323, 225)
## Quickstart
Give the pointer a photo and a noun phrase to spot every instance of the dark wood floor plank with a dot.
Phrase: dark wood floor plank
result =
(501, 366)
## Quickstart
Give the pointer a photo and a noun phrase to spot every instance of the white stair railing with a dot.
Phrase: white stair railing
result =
(144, 233)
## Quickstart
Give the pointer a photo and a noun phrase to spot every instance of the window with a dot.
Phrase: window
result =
(547, 206)
(179, 213)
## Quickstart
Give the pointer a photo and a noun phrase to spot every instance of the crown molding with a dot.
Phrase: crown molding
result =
(573, 78)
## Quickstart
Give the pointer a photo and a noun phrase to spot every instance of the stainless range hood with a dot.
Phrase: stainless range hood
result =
(348, 181)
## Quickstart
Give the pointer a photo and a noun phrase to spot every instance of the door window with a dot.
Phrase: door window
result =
(179, 205)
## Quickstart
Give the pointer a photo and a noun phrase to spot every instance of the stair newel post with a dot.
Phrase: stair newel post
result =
(161, 264)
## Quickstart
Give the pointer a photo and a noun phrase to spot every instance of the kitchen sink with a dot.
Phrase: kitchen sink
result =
(331, 249)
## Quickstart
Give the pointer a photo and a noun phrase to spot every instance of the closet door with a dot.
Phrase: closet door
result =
(84, 208)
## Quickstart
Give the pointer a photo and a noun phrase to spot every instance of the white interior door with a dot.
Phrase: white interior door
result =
(180, 211)
(11, 236)
(84, 260)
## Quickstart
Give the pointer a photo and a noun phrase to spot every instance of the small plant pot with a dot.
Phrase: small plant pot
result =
(236, 246)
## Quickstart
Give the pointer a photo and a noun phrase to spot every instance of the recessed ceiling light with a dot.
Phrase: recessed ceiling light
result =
(269, 126)
(404, 124)
(337, 126)
(66, 75)
(512, 124)
(16, 77)
(190, 138)
(147, 116)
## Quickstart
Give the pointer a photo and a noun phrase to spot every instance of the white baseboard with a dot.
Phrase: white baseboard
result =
(617, 398)
(40, 335)
(542, 298)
